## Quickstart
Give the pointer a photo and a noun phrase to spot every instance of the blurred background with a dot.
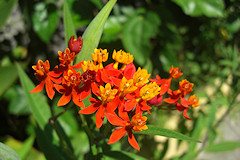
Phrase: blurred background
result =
(200, 37)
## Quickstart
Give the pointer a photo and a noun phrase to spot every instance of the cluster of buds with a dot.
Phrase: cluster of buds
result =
(123, 93)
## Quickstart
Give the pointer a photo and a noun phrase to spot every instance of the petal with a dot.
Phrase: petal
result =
(115, 120)
(59, 88)
(129, 105)
(116, 81)
(132, 141)
(65, 99)
(39, 87)
(185, 114)
(184, 102)
(89, 110)
(170, 100)
(116, 135)
(100, 116)
(85, 91)
(76, 98)
(95, 89)
(78, 66)
(112, 106)
(49, 88)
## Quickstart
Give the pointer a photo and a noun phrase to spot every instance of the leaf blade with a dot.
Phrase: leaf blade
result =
(154, 130)
(93, 33)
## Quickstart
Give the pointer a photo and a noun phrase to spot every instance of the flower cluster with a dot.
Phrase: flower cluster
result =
(122, 92)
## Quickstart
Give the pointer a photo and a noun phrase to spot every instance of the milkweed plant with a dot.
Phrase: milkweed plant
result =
(121, 95)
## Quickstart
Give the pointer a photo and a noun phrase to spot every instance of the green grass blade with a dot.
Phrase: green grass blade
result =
(93, 33)
(68, 22)
(154, 130)
(223, 146)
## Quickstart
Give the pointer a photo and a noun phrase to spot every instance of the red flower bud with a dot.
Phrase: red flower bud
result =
(155, 101)
(75, 45)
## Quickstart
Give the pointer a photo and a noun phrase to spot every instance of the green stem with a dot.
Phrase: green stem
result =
(87, 130)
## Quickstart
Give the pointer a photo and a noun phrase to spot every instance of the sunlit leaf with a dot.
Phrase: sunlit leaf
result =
(93, 33)
(6, 153)
(210, 8)
(6, 7)
(27, 145)
(154, 130)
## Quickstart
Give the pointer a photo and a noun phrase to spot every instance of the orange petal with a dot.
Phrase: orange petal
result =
(49, 88)
(112, 106)
(59, 88)
(39, 87)
(185, 114)
(76, 99)
(170, 100)
(89, 110)
(100, 116)
(64, 100)
(132, 141)
(115, 120)
(95, 89)
(116, 135)
(130, 104)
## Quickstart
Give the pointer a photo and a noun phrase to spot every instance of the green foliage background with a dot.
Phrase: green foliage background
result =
(202, 37)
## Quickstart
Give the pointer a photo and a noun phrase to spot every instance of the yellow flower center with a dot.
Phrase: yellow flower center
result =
(126, 86)
(107, 94)
(122, 57)
(89, 65)
(149, 91)
(138, 123)
(140, 77)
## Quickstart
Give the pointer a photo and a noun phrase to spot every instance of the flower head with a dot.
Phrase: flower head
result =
(100, 55)
(185, 86)
(138, 123)
(141, 77)
(42, 69)
(66, 57)
(122, 57)
(149, 91)
(193, 100)
(73, 78)
(75, 45)
(107, 94)
(89, 65)
(126, 86)
(175, 72)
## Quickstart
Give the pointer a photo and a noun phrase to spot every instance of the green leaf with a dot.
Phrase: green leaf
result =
(93, 33)
(210, 8)
(122, 155)
(223, 146)
(68, 22)
(18, 103)
(6, 153)
(154, 130)
(8, 76)
(27, 145)
(137, 32)
(37, 103)
(45, 20)
(6, 7)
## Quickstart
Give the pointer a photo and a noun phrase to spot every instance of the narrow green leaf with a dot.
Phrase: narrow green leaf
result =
(27, 145)
(68, 22)
(154, 130)
(7, 153)
(123, 155)
(223, 146)
(37, 103)
(93, 33)
(6, 7)
(8, 76)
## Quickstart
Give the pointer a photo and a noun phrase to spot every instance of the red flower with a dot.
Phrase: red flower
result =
(138, 123)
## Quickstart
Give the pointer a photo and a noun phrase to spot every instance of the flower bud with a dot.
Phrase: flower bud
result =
(75, 45)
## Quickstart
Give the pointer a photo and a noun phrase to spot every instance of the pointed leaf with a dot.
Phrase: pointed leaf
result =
(154, 130)
(68, 22)
(93, 33)
(7, 153)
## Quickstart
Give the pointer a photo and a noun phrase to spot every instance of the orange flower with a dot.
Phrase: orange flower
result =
(66, 57)
(141, 77)
(175, 72)
(185, 87)
(43, 75)
(108, 103)
(69, 89)
(121, 57)
(138, 123)
(193, 100)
